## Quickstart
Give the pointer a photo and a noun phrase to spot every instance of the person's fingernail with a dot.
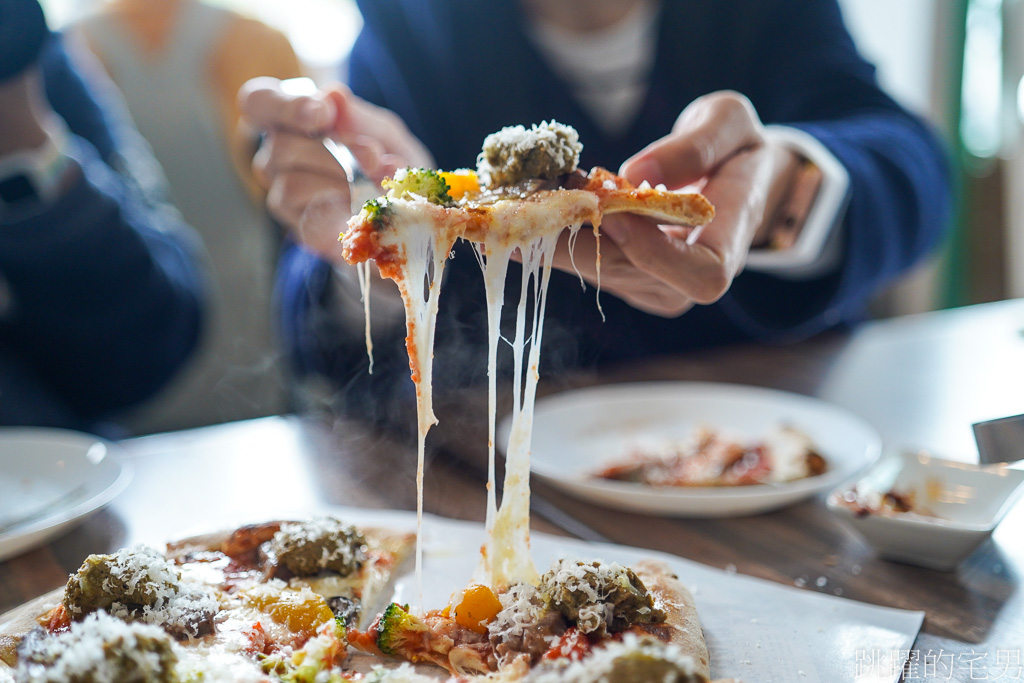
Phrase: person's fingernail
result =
(646, 168)
(314, 114)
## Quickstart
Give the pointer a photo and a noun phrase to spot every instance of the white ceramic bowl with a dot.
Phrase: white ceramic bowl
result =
(955, 507)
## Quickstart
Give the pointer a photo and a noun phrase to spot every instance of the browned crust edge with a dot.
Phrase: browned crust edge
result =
(682, 625)
(22, 619)
(675, 208)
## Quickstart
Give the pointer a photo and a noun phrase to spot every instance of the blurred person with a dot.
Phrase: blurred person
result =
(179, 65)
(768, 104)
(100, 284)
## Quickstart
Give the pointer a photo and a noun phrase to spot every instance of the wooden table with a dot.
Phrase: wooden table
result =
(921, 380)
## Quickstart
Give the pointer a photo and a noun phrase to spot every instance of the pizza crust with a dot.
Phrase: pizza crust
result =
(673, 208)
(682, 626)
(22, 619)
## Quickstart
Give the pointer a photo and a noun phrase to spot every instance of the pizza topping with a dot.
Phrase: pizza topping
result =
(599, 598)
(325, 543)
(402, 674)
(573, 644)
(525, 625)
(477, 608)
(461, 182)
(632, 659)
(133, 576)
(314, 662)
(301, 611)
(189, 613)
(345, 609)
(140, 584)
(98, 649)
(514, 154)
(396, 629)
(418, 182)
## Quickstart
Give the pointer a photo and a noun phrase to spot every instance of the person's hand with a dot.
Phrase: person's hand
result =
(717, 141)
(307, 187)
(23, 110)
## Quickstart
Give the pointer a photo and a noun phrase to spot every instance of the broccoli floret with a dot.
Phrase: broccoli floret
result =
(423, 182)
(314, 662)
(515, 154)
(134, 577)
(395, 626)
(376, 211)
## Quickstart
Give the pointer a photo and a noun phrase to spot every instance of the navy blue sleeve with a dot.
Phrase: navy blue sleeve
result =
(900, 180)
(102, 289)
(795, 61)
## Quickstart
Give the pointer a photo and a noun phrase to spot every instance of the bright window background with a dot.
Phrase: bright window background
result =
(321, 31)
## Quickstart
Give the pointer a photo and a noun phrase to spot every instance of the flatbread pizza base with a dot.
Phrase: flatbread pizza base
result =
(683, 626)
(16, 623)
(673, 208)
(22, 619)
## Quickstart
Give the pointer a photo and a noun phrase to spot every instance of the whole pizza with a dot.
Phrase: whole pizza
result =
(300, 601)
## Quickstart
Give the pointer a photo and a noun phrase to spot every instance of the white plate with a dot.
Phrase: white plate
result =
(51, 478)
(577, 432)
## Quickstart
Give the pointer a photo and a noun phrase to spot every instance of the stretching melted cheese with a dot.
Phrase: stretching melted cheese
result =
(411, 248)
(410, 245)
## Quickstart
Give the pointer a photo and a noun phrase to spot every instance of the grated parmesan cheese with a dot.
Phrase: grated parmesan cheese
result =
(309, 547)
(185, 612)
(515, 153)
(103, 649)
(521, 606)
(140, 575)
(633, 658)
(405, 673)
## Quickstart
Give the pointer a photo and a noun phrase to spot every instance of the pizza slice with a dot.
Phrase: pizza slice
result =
(255, 603)
(583, 621)
(527, 185)
(525, 192)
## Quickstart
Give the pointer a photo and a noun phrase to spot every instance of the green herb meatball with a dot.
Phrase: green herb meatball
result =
(133, 577)
(599, 598)
(307, 548)
(99, 649)
(515, 154)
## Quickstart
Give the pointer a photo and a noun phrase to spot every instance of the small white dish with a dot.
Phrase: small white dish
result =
(50, 479)
(576, 433)
(954, 507)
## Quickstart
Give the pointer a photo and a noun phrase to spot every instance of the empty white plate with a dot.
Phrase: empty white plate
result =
(50, 479)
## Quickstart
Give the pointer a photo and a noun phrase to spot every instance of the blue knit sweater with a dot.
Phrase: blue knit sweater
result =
(456, 70)
(101, 291)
